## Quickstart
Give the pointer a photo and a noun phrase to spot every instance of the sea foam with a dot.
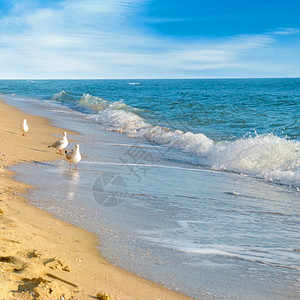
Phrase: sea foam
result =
(267, 156)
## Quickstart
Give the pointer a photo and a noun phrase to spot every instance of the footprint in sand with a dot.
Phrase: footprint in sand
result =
(34, 254)
(11, 263)
(6, 259)
(56, 264)
(30, 284)
(40, 288)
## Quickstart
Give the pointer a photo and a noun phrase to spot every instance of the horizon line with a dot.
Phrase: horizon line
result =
(176, 78)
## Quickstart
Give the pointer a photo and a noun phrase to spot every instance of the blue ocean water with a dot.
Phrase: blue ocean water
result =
(249, 126)
(191, 183)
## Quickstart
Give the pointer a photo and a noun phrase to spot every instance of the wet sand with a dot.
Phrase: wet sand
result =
(42, 257)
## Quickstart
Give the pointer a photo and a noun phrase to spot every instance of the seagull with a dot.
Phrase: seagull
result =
(24, 127)
(60, 144)
(73, 156)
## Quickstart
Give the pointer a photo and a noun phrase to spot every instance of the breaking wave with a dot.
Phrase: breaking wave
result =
(267, 156)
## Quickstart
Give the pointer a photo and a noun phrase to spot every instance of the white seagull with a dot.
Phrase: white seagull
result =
(60, 144)
(73, 156)
(24, 127)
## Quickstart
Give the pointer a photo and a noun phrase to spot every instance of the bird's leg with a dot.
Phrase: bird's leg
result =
(70, 166)
(75, 166)
(60, 152)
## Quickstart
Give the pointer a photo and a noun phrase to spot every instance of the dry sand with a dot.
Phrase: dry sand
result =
(42, 257)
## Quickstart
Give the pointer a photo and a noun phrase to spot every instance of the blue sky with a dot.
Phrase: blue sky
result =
(149, 39)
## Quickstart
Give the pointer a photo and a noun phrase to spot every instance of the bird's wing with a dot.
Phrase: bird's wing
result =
(57, 143)
(69, 155)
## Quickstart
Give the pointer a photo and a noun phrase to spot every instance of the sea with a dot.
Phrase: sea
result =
(191, 183)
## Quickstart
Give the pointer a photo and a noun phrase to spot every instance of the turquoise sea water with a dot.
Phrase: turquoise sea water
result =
(191, 183)
(248, 126)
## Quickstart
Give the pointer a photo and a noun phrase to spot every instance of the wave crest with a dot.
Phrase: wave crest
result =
(60, 96)
(264, 156)
(98, 103)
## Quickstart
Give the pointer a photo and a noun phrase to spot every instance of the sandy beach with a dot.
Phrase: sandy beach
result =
(42, 257)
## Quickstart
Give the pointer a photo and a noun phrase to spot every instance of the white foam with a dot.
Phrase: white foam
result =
(214, 252)
(60, 94)
(100, 104)
(266, 156)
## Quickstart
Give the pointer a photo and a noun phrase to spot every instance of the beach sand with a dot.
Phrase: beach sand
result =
(42, 257)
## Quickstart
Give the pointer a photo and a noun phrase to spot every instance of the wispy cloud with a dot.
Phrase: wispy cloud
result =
(286, 31)
(88, 7)
(95, 39)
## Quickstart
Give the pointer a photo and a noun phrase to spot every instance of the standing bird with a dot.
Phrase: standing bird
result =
(24, 127)
(60, 144)
(73, 156)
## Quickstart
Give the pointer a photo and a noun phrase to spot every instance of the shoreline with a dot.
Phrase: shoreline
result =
(41, 256)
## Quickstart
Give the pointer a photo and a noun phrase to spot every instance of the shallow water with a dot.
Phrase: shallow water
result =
(209, 233)
(249, 126)
(225, 239)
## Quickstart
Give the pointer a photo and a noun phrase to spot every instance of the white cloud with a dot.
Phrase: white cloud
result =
(89, 7)
(286, 31)
(94, 39)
